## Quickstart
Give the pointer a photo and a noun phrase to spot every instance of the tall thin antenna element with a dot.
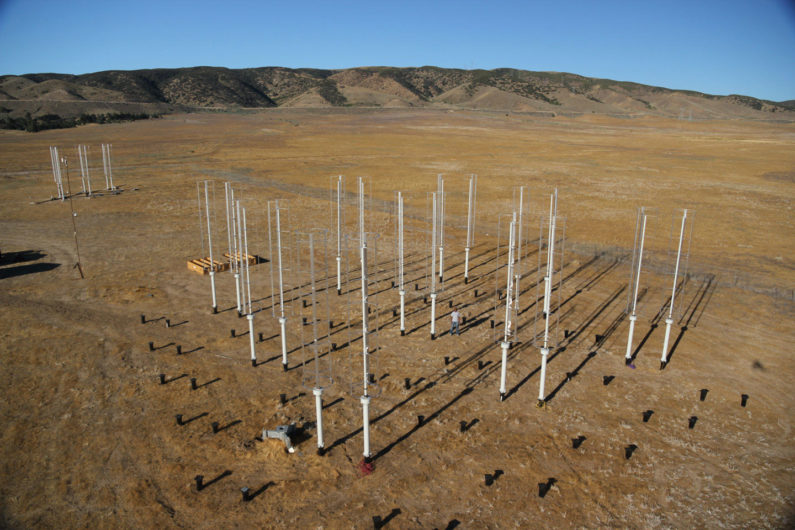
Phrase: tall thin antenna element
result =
(248, 309)
(108, 167)
(55, 159)
(669, 320)
(434, 232)
(401, 285)
(74, 215)
(473, 183)
(507, 329)
(282, 317)
(553, 214)
(210, 243)
(365, 399)
(234, 259)
(637, 263)
(339, 234)
(440, 209)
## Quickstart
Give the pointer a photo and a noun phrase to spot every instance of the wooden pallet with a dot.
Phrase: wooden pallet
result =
(203, 265)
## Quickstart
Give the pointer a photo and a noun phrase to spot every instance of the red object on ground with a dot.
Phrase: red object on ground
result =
(365, 468)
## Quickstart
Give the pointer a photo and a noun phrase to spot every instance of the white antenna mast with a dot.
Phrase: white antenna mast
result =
(401, 286)
(55, 159)
(282, 317)
(669, 320)
(518, 255)
(434, 232)
(210, 242)
(637, 263)
(365, 399)
(473, 183)
(234, 260)
(507, 329)
(440, 200)
(248, 309)
(339, 234)
(553, 213)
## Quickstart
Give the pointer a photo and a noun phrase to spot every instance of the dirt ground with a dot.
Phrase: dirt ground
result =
(89, 434)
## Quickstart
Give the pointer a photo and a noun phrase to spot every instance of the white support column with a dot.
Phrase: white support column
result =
(633, 317)
(466, 265)
(433, 316)
(318, 392)
(210, 241)
(250, 318)
(402, 312)
(365, 400)
(541, 395)
(282, 322)
(669, 321)
(339, 275)
(504, 367)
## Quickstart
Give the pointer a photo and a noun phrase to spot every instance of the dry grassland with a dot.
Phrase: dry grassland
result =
(89, 435)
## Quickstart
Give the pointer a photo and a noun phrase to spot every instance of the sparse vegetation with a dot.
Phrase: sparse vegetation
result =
(328, 90)
(54, 121)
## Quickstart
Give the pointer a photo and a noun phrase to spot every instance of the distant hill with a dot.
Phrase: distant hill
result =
(504, 89)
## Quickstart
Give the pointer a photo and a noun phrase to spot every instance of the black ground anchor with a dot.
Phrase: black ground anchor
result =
(143, 318)
(692, 422)
(646, 415)
(199, 482)
(407, 383)
(577, 442)
(179, 419)
(232, 332)
(246, 496)
(704, 392)
(193, 383)
(743, 400)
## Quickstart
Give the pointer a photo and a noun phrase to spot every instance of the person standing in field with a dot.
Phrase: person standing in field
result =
(455, 318)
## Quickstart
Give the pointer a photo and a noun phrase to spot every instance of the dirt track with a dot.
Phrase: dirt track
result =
(90, 437)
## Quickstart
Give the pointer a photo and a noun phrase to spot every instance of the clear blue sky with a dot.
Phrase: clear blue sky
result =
(713, 46)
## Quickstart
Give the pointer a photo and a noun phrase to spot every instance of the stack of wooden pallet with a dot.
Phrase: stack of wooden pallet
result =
(204, 265)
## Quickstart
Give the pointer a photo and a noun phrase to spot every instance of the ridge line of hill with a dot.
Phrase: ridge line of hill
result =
(158, 91)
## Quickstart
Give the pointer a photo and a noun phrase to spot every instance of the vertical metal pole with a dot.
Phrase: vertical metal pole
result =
(339, 234)
(633, 317)
(470, 212)
(518, 256)
(110, 167)
(234, 260)
(553, 213)
(440, 200)
(365, 400)
(401, 285)
(238, 257)
(434, 211)
(210, 241)
(318, 393)
(282, 318)
(88, 169)
(669, 320)
(505, 344)
(247, 307)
